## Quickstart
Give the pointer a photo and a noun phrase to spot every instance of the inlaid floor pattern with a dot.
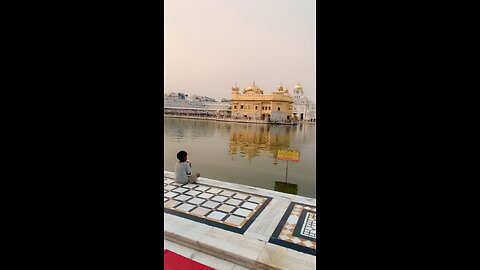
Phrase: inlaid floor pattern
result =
(297, 229)
(224, 208)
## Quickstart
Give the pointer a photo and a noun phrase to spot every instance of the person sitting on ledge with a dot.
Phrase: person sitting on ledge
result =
(183, 169)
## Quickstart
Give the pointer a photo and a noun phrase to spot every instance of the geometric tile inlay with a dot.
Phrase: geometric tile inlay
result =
(171, 203)
(196, 201)
(210, 204)
(205, 195)
(193, 192)
(180, 190)
(242, 212)
(214, 190)
(168, 181)
(227, 193)
(240, 196)
(183, 198)
(227, 209)
(249, 205)
(219, 198)
(185, 207)
(217, 215)
(297, 229)
(233, 201)
(201, 188)
(255, 199)
(200, 211)
(170, 194)
(234, 220)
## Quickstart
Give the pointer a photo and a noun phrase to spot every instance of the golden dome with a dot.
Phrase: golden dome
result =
(298, 86)
(280, 88)
(254, 89)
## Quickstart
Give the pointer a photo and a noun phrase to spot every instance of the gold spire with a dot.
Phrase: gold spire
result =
(280, 88)
(235, 88)
(298, 86)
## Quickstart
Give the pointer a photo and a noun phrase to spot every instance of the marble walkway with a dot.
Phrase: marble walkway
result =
(246, 226)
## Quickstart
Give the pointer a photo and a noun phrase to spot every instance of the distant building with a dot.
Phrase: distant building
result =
(303, 109)
(254, 104)
(175, 99)
(182, 100)
(201, 98)
(251, 104)
(312, 112)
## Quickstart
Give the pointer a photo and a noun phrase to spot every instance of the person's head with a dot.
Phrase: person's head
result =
(182, 156)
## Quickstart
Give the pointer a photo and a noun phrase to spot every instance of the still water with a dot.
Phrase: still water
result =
(243, 153)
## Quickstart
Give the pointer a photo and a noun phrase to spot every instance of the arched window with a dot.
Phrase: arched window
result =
(241, 107)
(256, 107)
(279, 108)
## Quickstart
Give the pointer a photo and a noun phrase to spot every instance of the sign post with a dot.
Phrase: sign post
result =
(288, 155)
(286, 173)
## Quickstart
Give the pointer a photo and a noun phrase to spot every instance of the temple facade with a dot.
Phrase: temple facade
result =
(303, 109)
(253, 104)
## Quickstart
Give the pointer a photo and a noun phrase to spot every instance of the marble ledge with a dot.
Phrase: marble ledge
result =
(184, 231)
(239, 267)
(239, 249)
(276, 257)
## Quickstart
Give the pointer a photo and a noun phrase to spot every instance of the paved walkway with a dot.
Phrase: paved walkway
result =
(246, 226)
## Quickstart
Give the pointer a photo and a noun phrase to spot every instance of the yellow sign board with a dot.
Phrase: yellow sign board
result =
(289, 155)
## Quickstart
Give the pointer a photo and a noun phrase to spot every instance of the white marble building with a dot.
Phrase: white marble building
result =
(303, 108)
(175, 100)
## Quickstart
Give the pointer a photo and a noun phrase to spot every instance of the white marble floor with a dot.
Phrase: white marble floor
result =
(228, 209)
(280, 236)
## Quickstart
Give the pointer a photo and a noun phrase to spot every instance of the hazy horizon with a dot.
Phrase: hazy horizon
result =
(211, 44)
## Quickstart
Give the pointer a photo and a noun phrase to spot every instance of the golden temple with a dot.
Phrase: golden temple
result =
(253, 104)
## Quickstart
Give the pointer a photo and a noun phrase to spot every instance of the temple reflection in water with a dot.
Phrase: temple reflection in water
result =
(251, 139)
(243, 153)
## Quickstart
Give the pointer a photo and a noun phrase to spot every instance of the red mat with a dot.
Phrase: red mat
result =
(174, 261)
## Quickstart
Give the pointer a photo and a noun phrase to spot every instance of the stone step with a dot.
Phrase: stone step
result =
(239, 249)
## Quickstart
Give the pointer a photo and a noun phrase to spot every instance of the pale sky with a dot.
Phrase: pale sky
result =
(211, 44)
